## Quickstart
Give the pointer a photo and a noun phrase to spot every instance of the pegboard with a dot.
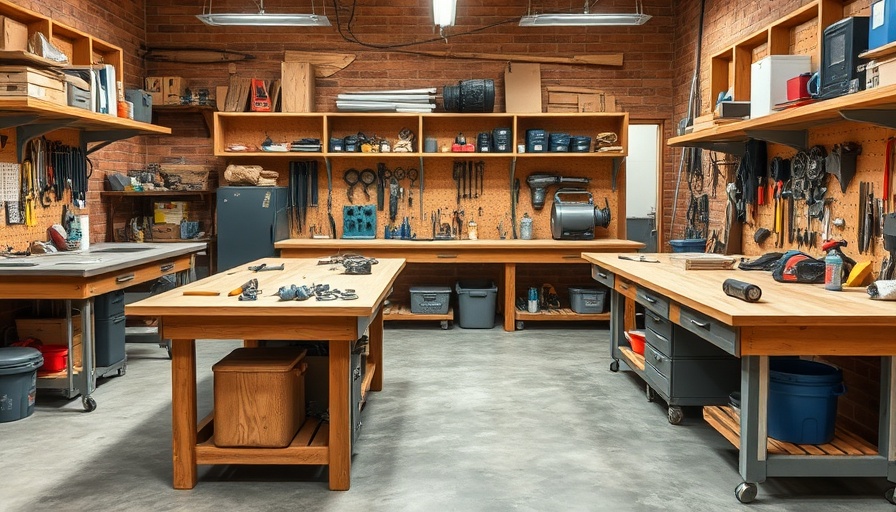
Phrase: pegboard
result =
(870, 166)
(489, 209)
(20, 236)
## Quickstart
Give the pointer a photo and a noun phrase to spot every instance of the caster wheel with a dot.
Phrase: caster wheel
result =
(889, 496)
(651, 394)
(520, 325)
(745, 492)
(444, 325)
(89, 403)
(676, 414)
(614, 366)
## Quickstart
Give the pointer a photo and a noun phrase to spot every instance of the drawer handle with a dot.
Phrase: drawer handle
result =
(658, 358)
(446, 256)
(623, 286)
(166, 267)
(702, 325)
(650, 300)
(124, 279)
(601, 275)
(656, 318)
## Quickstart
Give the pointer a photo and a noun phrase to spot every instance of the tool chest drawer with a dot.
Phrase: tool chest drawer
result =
(660, 342)
(653, 301)
(602, 276)
(709, 329)
(661, 362)
(657, 380)
(658, 324)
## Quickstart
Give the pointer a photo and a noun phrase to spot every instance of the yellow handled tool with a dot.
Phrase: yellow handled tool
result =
(252, 283)
(201, 293)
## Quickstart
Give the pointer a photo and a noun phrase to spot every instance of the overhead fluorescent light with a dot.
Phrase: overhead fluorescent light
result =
(586, 18)
(444, 12)
(264, 19)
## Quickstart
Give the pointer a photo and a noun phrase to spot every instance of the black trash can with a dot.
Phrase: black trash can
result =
(18, 381)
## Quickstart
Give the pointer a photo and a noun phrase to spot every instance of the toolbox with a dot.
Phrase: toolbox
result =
(536, 141)
(430, 300)
(142, 101)
(259, 397)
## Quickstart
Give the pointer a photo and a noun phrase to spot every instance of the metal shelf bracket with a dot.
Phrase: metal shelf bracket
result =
(26, 132)
(617, 164)
(872, 116)
(104, 137)
(798, 139)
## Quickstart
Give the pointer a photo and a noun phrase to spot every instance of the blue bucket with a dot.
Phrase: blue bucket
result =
(802, 400)
(690, 245)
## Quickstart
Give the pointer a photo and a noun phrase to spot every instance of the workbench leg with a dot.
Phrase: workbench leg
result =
(753, 418)
(375, 344)
(510, 297)
(183, 412)
(886, 444)
(88, 340)
(340, 416)
(617, 325)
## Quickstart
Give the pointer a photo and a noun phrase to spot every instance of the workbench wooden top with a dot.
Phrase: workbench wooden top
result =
(784, 304)
(100, 259)
(336, 245)
(371, 289)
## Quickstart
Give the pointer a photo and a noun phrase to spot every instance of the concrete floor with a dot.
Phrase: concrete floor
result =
(468, 420)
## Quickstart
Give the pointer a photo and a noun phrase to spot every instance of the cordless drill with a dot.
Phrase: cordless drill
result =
(539, 184)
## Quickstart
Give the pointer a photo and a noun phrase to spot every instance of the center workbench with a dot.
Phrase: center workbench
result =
(184, 318)
(789, 320)
(508, 253)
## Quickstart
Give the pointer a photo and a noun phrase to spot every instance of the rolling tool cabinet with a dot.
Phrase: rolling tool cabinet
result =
(692, 302)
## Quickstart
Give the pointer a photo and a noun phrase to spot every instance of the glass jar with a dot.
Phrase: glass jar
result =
(526, 227)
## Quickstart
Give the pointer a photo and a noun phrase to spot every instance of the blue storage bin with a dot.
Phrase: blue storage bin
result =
(802, 400)
(882, 25)
(691, 245)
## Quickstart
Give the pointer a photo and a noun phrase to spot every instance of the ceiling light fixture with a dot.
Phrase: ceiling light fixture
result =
(586, 18)
(263, 19)
(444, 12)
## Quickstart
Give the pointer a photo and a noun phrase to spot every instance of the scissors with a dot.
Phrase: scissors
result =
(352, 177)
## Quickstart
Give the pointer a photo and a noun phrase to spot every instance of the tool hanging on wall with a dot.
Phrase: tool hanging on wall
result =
(394, 192)
(330, 218)
(412, 175)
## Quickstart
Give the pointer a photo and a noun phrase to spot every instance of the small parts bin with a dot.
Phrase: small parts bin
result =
(430, 300)
(18, 382)
(587, 300)
(259, 397)
(55, 358)
(476, 304)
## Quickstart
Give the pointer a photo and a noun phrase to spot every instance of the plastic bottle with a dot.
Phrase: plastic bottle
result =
(833, 271)
(532, 303)
(526, 227)
(472, 230)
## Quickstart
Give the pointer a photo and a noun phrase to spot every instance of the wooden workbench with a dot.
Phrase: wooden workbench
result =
(78, 277)
(339, 322)
(789, 320)
(509, 253)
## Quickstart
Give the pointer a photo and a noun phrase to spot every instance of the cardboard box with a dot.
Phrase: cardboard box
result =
(522, 87)
(880, 73)
(173, 88)
(165, 231)
(297, 87)
(13, 35)
(579, 99)
(47, 85)
(173, 212)
(154, 88)
(259, 397)
(52, 331)
(768, 81)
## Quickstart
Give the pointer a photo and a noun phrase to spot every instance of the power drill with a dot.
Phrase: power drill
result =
(539, 184)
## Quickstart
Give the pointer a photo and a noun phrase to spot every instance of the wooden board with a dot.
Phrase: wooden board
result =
(403, 312)
(297, 86)
(195, 55)
(324, 64)
(607, 59)
(727, 423)
(635, 359)
(560, 315)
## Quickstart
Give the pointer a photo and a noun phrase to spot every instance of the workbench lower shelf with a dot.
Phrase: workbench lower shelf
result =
(309, 446)
(727, 422)
(402, 312)
(556, 315)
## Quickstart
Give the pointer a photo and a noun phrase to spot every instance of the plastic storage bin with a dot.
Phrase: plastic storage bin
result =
(768, 81)
(802, 400)
(55, 358)
(476, 304)
(691, 245)
(18, 382)
(882, 26)
(431, 300)
(110, 339)
(259, 397)
(587, 300)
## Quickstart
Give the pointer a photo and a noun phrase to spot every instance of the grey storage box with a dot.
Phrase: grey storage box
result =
(142, 101)
(109, 305)
(109, 338)
(476, 304)
(18, 381)
(587, 300)
(430, 300)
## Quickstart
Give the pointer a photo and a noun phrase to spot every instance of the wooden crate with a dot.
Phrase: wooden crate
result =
(185, 176)
(259, 397)
(579, 99)
(51, 331)
(42, 84)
